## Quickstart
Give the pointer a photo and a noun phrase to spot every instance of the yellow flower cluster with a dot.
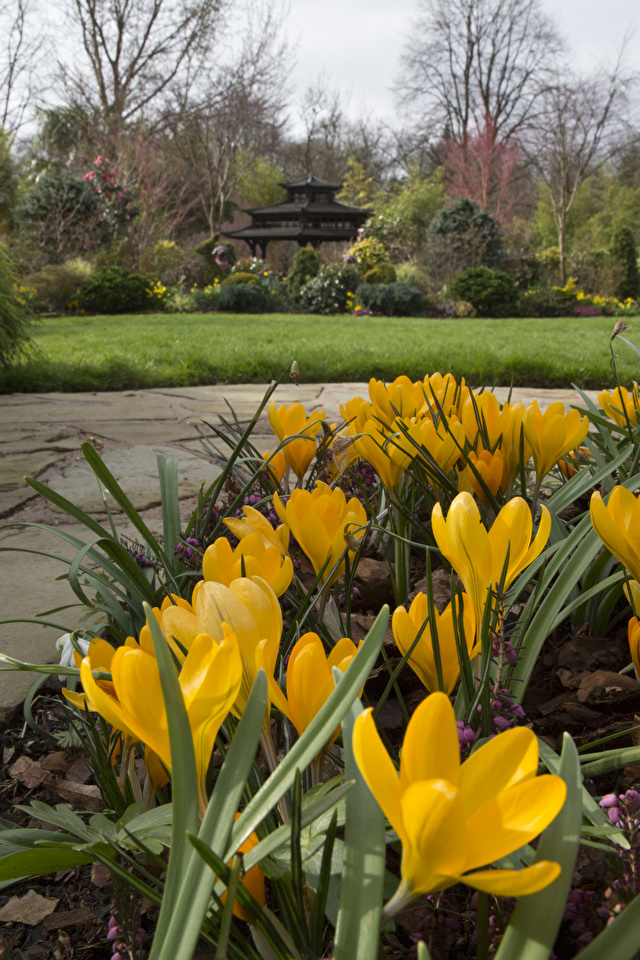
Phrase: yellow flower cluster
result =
(438, 425)
(159, 293)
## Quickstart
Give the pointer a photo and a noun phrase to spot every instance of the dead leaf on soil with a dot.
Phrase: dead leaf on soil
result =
(598, 684)
(30, 909)
(29, 772)
(86, 795)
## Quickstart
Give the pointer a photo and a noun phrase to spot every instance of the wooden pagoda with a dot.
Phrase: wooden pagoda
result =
(310, 214)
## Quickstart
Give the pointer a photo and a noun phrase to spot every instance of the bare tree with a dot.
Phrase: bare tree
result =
(234, 114)
(135, 50)
(472, 61)
(579, 126)
(20, 54)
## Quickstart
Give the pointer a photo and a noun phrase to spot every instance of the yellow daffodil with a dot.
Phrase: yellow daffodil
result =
(406, 626)
(618, 526)
(319, 521)
(491, 468)
(254, 522)
(289, 422)
(552, 434)
(634, 644)
(621, 402)
(249, 607)
(210, 679)
(223, 564)
(453, 819)
(477, 555)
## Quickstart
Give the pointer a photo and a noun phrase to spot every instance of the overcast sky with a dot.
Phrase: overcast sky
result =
(357, 43)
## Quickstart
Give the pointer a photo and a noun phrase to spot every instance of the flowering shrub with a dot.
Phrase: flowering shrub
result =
(368, 253)
(328, 292)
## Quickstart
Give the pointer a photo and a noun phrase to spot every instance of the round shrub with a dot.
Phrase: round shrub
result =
(57, 284)
(369, 253)
(381, 273)
(242, 298)
(239, 278)
(114, 290)
(305, 266)
(14, 313)
(492, 292)
(390, 299)
(327, 293)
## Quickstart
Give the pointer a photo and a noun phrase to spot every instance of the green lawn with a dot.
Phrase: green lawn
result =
(153, 350)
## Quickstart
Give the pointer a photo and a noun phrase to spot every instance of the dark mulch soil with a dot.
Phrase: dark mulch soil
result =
(576, 688)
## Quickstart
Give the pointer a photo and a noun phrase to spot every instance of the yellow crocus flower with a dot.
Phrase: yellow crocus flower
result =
(618, 526)
(492, 469)
(210, 679)
(478, 555)
(254, 522)
(442, 444)
(389, 456)
(310, 680)
(422, 661)
(222, 564)
(512, 438)
(290, 421)
(452, 818)
(251, 609)
(552, 434)
(619, 402)
(481, 418)
(401, 398)
(319, 520)
(276, 465)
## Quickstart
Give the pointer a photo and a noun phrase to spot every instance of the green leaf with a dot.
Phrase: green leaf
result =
(168, 474)
(184, 778)
(358, 927)
(36, 862)
(536, 920)
(193, 878)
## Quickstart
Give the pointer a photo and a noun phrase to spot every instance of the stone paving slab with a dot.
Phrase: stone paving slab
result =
(135, 468)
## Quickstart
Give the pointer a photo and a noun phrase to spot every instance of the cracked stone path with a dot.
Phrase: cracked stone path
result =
(40, 437)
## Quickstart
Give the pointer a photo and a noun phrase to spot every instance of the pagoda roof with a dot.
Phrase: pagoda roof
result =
(310, 181)
(285, 233)
(288, 206)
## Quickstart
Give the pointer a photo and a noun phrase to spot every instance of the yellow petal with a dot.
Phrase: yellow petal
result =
(378, 771)
(513, 883)
(433, 723)
(512, 818)
(499, 764)
(434, 824)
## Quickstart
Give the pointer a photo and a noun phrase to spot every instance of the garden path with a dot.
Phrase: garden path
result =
(40, 436)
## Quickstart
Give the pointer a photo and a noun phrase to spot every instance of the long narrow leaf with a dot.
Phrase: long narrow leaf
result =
(358, 927)
(179, 937)
(536, 920)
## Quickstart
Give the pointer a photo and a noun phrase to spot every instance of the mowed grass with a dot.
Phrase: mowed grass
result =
(159, 350)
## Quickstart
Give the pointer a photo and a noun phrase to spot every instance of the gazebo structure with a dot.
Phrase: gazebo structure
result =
(310, 214)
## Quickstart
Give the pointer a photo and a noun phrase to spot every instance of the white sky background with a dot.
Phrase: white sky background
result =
(357, 43)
